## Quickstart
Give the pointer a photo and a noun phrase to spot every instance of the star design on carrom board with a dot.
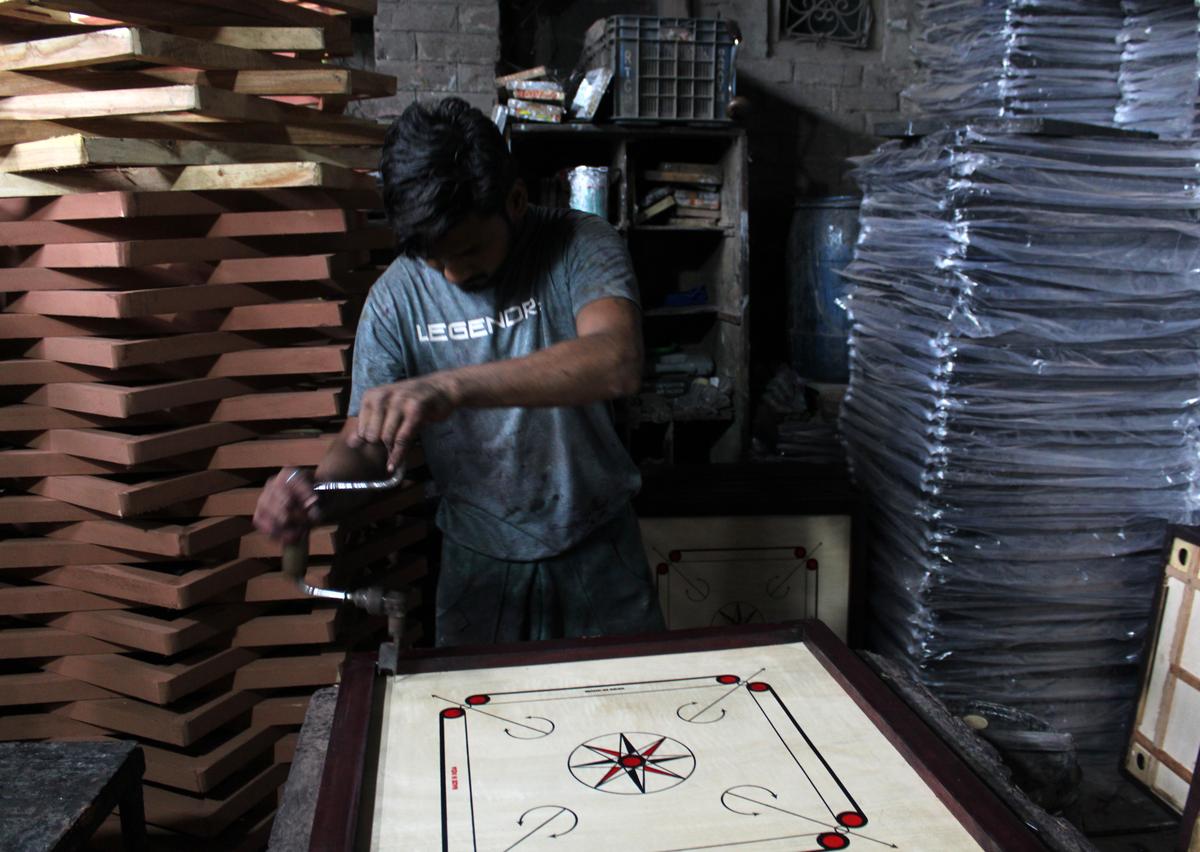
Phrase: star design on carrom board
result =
(614, 764)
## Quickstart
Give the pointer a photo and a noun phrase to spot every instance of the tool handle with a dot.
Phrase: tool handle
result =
(295, 558)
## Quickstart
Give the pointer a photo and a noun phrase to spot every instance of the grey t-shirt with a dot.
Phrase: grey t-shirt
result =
(520, 484)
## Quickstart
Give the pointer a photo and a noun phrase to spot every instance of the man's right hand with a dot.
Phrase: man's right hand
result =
(287, 507)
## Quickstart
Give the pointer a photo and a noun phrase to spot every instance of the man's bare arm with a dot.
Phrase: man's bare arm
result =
(603, 362)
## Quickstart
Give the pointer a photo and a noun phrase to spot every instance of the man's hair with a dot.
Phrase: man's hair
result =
(442, 162)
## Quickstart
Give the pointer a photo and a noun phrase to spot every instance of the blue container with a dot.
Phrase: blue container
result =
(820, 245)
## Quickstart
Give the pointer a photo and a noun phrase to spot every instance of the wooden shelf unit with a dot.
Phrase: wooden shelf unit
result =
(668, 257)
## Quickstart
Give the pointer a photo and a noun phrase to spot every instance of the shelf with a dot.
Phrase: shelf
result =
(688, 229)
(692, 310)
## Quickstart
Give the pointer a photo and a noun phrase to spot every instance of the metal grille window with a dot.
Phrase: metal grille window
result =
(845, 22)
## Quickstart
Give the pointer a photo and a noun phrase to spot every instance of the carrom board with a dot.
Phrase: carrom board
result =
(749, 738)
(722, 570)
(1166, 732)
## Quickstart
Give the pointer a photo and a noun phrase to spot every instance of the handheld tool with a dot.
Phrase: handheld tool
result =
(391, 603)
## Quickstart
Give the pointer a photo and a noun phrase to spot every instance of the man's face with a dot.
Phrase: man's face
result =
(473, 250)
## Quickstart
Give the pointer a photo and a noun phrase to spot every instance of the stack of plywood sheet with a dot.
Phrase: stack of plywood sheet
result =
(184, 243)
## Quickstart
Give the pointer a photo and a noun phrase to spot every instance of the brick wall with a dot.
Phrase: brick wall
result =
(815, 105)
(435, 48)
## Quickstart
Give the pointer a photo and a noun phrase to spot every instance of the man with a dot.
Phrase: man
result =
(498, 336)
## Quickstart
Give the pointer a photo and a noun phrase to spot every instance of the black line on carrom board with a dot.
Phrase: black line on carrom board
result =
(795, 759)
(603, 685)
(727, 844)
(604, 695)
(816, 751)
(442, 747)
(471, 781)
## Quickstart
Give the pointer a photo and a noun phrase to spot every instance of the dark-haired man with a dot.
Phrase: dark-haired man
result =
(498, 336)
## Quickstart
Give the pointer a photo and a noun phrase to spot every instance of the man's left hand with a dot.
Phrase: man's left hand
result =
(391, 415)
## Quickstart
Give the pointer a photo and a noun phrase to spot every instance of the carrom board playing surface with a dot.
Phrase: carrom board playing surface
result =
(759, 744)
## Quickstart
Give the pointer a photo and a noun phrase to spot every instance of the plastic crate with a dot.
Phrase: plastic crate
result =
(666, 69)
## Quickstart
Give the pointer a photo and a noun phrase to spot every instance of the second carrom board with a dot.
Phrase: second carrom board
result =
(760, 746)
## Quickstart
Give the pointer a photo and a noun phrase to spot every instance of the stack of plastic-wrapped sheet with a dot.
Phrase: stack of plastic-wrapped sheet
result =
(1023, 407)
(1003, 58)
(1160, 67)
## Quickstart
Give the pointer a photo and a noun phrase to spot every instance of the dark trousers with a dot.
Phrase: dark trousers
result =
(600, 586)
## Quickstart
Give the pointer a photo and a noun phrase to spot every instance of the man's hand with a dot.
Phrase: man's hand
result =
(391, 415)
(287, 506)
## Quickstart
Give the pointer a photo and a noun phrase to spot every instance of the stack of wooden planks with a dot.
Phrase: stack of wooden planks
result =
(185, 241)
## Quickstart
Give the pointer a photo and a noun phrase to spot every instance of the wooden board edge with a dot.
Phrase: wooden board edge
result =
(335, 816)
(1189, 825)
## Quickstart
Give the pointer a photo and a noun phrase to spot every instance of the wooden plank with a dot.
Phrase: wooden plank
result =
(28, 418)
(325, 80)
(267, 453)
(122, 44)
(209, 816)
(127, 499)
(167, 589)
(187, 179)
(126, 401)
(117, 204)
(272, 586)
(32, 371)
(281, 710)
(177, 540)
(133, 253)
(166, 635)
(209, 761)
(123, 449)
(156, 682)
(272, 39)
(288, 672)
(22, 643)
(41, 600)
(118, 353)
(169, 127)
(332, 359)
(315, 313)
(80, 151)
(31, 326)
(45, 688)
(45, 726)
(312, 628)
(134, 304)
(241, 224)
(181, 725)
(176, 103)
(33, 509)
(46, 553)
(15, 464)
(281, 405)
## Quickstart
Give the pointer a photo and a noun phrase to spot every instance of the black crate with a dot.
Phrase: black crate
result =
(666, 69)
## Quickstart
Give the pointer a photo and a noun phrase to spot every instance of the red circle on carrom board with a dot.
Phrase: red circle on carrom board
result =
(452, 712)
(674, 555)
(811, 565)
(727, 678)
(852, 819)
(476, 700)
(663, 568)
(757, 686)
(832, 840)
(801, 552)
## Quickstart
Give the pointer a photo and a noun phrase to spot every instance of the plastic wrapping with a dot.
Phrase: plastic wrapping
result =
(1007, 58)
(1129, 63)
(1024, 408)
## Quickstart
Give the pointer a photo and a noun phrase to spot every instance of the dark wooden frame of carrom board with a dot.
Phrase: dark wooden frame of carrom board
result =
(1189, 826)
(350, 762)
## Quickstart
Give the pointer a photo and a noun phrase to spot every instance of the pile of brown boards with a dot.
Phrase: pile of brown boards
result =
(185, 241)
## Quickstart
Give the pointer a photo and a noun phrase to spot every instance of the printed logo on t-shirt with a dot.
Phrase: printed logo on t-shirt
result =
(441, 332)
